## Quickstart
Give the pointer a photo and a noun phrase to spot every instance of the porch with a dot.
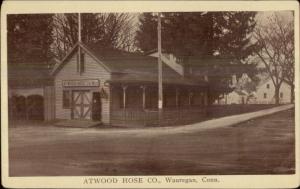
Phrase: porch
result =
(135, 105)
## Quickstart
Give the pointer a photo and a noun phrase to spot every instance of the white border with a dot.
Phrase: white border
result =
(241, 181)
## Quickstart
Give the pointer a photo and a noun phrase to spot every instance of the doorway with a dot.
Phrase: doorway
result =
(96, 108)
(82, 101)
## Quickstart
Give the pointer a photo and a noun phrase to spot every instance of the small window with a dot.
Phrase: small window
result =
(268, 86)
(66, 99)
(281, 95)
(265, 95)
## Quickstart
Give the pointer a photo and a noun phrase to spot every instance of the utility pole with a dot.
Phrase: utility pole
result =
(79, 27)
(160, 86)
(79, 40)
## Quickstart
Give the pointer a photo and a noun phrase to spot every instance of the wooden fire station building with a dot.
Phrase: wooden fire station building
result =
(120, 88)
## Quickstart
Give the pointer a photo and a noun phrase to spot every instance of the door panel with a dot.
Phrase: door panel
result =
(82, 105)
(86, 98)
(76, 105)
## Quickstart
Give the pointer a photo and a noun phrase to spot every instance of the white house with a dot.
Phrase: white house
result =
(238, 95)
(265, 93)
(234, 97)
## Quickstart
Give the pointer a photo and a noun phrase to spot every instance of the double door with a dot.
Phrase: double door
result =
(86, 105)
(82, 105)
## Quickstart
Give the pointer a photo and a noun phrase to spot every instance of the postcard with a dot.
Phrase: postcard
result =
(150, 94)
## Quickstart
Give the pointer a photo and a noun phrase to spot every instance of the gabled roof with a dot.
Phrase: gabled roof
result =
(58, 66)
(239, 92)
(129, 67)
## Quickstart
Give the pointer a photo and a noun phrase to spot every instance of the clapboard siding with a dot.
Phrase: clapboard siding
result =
(270, 93)
(93, 70)
(49, 103)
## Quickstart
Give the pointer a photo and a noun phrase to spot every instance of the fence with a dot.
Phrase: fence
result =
(169, 116)
(179, 116)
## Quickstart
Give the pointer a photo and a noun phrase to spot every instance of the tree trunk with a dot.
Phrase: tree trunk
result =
(277, 94)
(292, 93)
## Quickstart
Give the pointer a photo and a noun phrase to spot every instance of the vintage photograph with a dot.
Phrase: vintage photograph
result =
(151, 93)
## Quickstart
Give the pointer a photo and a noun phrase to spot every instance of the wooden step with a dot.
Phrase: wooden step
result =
(78, 123)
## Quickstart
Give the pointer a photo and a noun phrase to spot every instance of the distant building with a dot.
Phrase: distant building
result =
(236, 97)
(29, 90)
(265, 93)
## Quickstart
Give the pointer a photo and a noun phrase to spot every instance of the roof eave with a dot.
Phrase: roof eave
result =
(59, 66)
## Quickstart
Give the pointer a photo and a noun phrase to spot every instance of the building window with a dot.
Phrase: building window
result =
(268, 86)
(66, 99)
(265, 95)
(281, 95)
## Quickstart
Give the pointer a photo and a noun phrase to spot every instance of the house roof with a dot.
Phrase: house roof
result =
(130, 67)
(28, 75)
(239, 92)
(209, 60)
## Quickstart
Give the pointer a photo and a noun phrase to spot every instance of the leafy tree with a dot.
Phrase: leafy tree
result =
(146, 35)
(29, 37)
(199, 35)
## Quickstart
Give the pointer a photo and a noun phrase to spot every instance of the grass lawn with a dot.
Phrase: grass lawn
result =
(261, 146)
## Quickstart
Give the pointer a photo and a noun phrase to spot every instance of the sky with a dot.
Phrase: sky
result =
(262, 17)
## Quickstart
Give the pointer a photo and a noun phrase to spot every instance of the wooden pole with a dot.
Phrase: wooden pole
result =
(26, 108)
(144, 115)
(206, 98)
(79, 27)
(160, 87)
(144, 97)
(124, 97)
(79, 40)
(189, 98)
(177, 98)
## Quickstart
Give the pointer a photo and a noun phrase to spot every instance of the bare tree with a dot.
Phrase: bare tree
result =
(127, 40)
(276, 41)
(107, 30)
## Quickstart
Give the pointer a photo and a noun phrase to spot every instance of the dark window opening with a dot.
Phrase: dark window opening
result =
(281, 95)
(265, 95)
(96, 111)
(121, 99)
(268, 86)
(151, 99)
(66, 99)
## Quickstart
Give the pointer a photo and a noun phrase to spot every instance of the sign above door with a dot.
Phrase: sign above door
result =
(81, 83)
